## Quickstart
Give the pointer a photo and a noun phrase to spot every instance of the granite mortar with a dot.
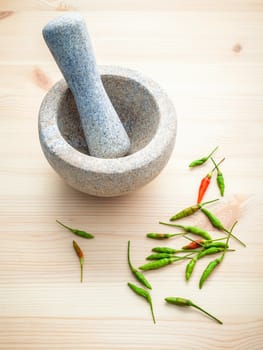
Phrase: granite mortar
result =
(148, 117)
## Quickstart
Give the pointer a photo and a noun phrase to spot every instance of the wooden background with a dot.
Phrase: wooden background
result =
(208, 56)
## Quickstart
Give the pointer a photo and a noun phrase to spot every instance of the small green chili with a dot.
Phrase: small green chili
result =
(213, 264)
(208, 270)
(190, 267)
(158, 256)
(186, 302)
(191, 229)
(167, 250)
(215, 244)
(157, 264)
(219, 179)
(160, 236)
(218, 224)
(77, 232)
(209, 251)
(202, 160)
(138, 274)
(190, 210)
(145, 294)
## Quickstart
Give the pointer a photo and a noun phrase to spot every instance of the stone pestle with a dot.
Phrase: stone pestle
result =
(68, 40)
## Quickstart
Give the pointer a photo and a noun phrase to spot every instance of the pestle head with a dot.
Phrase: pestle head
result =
(68, 40)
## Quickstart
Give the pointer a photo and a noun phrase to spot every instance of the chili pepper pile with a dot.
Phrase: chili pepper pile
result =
(196, 249)
(192, 252)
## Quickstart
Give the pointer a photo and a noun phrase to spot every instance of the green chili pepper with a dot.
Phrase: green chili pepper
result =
(208, 270)
(190, 210)
(202, 160)
(138, 274)
(190, 267)
(81, 258)
(213, 219)
(219, 179)
(191, 229)
(217, 224)
(157, 264)
(145, 294)
(215, 244)
(209, 251)
(213, 264)
(220, 182)
(158, 256)
(167, 250)
(186, 302)
(160, 236)
(76, 231)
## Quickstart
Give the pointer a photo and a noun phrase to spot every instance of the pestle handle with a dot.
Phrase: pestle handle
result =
(69, 42)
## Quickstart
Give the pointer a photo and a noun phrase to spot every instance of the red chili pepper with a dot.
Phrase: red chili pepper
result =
(205, 183)
(194, 244)
(203, 187)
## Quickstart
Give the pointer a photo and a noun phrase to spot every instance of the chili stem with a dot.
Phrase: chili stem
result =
(168, 224)
(235, 237)
(81, 273)
(60, 223)
(151, 307)
(217, 239)
(186, 256)
(228, 237)
(210, 154)
(205, 203)
(207, 313)
(216, 166)
(229, 250)
(192, 240)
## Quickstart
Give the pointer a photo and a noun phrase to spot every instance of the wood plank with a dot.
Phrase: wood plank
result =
(119, 335)
(207, 55)
(132, 5)
(135, 37)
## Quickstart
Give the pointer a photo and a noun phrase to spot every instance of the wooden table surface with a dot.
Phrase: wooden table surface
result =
(208, 56)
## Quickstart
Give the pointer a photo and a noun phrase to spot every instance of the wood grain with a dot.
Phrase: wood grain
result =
(208, 56)
(133, 5)
(185, 37)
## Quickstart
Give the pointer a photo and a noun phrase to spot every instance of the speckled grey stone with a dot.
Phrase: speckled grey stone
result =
(69, 42)
(147, 115)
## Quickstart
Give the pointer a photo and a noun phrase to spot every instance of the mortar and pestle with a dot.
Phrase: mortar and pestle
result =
(105, 130)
